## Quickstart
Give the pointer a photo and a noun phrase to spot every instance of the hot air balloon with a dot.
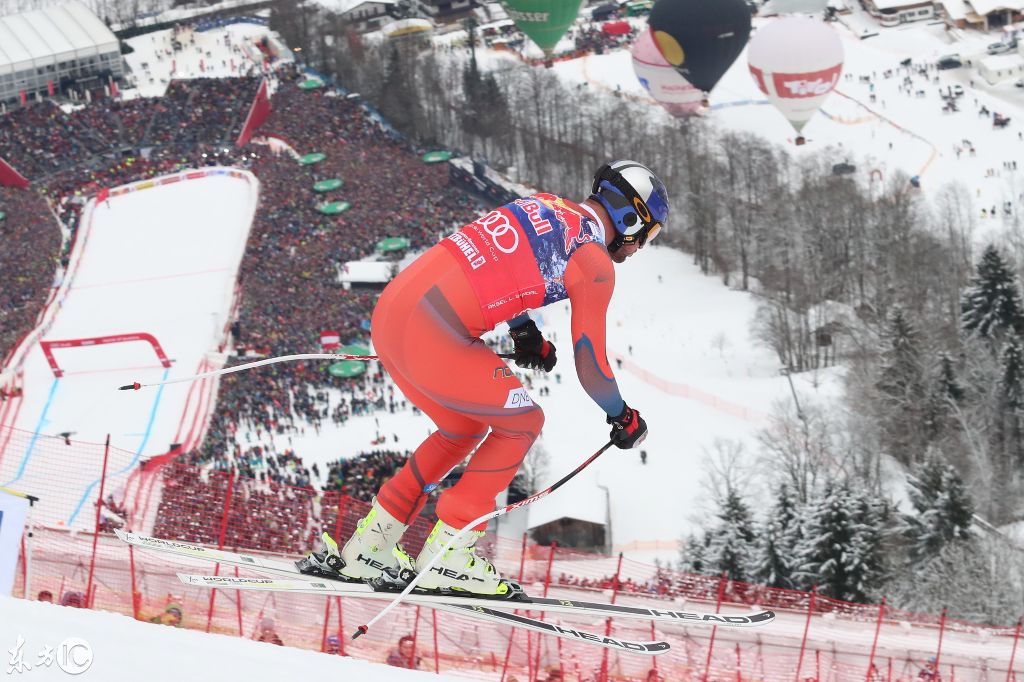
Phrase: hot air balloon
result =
(661, 79)
(796, 62)
(544, 21)
(700, 38)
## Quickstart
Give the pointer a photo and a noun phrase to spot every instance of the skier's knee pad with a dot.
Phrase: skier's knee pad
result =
(526, 425)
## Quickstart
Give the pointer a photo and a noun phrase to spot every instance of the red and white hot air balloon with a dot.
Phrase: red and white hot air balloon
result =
(796, 62)
(661, 79)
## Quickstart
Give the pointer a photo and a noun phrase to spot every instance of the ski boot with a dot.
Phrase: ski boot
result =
(460, 571)
(369, 554)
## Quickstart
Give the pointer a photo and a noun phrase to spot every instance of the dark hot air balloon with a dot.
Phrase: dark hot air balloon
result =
(701, 38)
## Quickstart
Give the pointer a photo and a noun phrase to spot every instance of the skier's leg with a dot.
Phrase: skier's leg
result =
(405, 494)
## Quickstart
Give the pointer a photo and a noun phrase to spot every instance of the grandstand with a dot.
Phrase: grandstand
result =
(56, 49)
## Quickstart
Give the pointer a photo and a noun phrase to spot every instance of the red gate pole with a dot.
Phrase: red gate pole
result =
(96, 528)
(942, 630)
(327, 619)
(888, 677)
(714, 629)
(1013, 652)
(817, 665)
(807, 626)
(512, 634)
(547, 583)
(739, 664)
(415, 635)
(608, 622)
(238, 607)
(341, 626)
(437, 659)
(136, 597)
(874, 642)
(220, 542)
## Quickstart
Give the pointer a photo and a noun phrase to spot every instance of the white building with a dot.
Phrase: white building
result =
(1003, 67)
(54, 48)
(893, 12)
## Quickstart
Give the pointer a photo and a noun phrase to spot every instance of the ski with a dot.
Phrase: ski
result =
(456, 605)
(289, 578)
(564, 606)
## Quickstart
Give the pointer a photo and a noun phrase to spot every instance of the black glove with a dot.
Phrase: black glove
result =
(532, 351)
(628, 429)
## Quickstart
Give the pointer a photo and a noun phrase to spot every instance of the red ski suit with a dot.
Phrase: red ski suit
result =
(426, 328)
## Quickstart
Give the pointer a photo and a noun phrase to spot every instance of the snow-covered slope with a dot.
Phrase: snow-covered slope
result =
(123, 649)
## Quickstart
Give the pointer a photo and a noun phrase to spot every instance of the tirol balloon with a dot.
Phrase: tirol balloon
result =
(661, 80)
(796, 62)
(701, 38)
(543, 21)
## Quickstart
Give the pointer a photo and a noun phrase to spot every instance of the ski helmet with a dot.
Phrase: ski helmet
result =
(635, 199)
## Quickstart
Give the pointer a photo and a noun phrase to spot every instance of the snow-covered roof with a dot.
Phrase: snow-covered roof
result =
(898, 4)
(1001, 62)
(366, 271)
(956, 9)
(342, 6)
(984, 7)
(55, 34)
(583, 502)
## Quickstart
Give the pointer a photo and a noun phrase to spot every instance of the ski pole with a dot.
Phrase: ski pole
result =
(362, 629)
(134, 386)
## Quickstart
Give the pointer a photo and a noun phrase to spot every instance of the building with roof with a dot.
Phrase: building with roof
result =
(893, 12)
(48, 50)
(982, 14)
(999, 68)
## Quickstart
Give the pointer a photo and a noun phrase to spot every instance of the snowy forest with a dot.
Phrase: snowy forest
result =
(896, 489)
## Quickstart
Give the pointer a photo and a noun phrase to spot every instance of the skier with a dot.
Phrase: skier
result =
(426, 328)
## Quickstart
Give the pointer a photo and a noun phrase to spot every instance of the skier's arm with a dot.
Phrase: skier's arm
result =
(589, 281)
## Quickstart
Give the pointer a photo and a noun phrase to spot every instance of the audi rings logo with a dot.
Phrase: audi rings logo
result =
(504, 235)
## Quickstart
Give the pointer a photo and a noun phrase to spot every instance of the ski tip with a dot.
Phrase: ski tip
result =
(134, 386)
(360, 631)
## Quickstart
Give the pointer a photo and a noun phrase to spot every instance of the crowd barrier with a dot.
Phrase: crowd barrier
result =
(813, 638)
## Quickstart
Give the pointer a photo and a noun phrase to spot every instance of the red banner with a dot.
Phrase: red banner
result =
(10, 177)
(49, 88)
(330, 339)
(258, 113)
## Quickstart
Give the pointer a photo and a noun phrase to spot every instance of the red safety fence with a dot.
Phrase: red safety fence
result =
(74, 551)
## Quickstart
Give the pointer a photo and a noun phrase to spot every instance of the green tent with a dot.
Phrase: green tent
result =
(2, 215)
(544, 21)
(389, 244)
(354, 349)
(334, 207)
(436, 157)
(327, 185)
(346, 369)
(315, 157)
(311, 84)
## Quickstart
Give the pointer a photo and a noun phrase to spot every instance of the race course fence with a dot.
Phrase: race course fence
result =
(813, 638)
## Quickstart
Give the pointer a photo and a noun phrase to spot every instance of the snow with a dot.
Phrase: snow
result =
(162, 261)
(217, 53)
(123, 649)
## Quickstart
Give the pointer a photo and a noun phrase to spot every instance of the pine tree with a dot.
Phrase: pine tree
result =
(902, 388)
(943, 509)
(864, 559)
(774, 557)
(947, 393)
(991, 303)
(732, 543)
(1011, 401)
(692, 554)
